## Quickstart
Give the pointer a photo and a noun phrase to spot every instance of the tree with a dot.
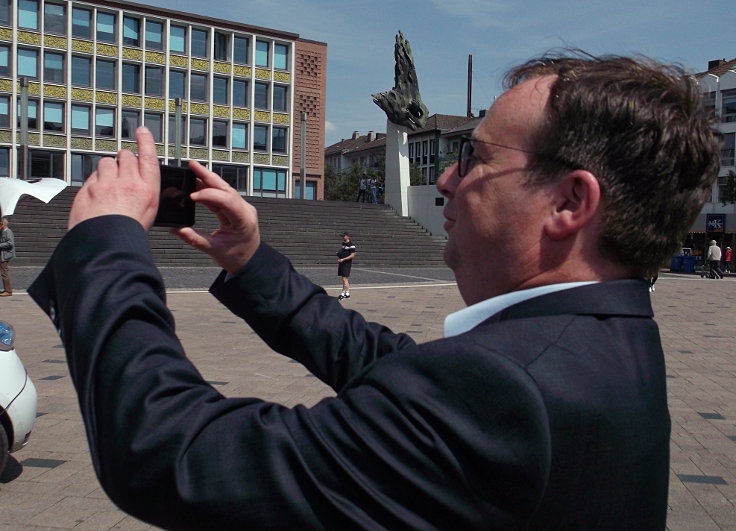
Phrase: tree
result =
(342, 186)
(728, 194)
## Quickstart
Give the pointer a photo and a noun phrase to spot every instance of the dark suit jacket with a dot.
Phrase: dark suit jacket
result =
(550, 415)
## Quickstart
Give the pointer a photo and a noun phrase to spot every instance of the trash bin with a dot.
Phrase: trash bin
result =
(676, 265)
(688, 264)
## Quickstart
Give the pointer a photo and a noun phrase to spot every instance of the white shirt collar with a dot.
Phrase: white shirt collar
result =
(467, 318)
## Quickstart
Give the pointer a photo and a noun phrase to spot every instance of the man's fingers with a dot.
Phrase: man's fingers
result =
(147, 156)
(208, 178)
(198, 239)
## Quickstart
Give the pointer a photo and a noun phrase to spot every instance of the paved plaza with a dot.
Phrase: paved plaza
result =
(50, 484)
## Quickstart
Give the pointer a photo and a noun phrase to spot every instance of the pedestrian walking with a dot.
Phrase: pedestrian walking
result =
(362, 187)
(714, 260)
(344, 263)
(7, 253)
(727, 258)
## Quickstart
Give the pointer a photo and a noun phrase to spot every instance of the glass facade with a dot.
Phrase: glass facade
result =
(98, 70)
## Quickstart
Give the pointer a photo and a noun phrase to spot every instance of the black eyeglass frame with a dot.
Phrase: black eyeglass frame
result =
(465, 161)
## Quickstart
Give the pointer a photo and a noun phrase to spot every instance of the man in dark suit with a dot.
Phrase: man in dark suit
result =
(544, 406)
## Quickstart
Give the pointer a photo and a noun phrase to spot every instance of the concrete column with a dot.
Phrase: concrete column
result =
(397, 168)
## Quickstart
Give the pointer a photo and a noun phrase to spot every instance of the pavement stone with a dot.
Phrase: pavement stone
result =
(50, 484)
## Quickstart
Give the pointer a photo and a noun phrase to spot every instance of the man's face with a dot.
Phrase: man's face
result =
(345, 238)
(493, 221)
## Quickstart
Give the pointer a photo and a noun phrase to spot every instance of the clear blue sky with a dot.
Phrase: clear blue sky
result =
(498, 33)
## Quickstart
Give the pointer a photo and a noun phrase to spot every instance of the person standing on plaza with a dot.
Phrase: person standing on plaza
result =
(344, 263)
(7, 253)
(362, 187)
(714, 260)
(544, 406)
(727, 258)
(373, 185)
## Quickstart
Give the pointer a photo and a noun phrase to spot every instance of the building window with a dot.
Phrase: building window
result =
(260, 137)
(81, 71)
(105, 27)
(281, 56)
(129, 122)
(235, 176)
(178, 39)
(728, 99)
(54, 18)
(46, 164)
(176, 84)
(261, 96)
(81, 23)
(105, 77)
(222, 46)
(431, 151)
(172, 130)
(5, 60)
(5, 12)
(198, 131)
(220, 90)
(28, 14)
(132, 78)
(280, 102)
(53, 117)
(4, 162)
(278, 140)
(240, 93)
(28, 63)
(200, 43)
(105, 122)
(198, 87)
(80, 119)
(32, 114)
(131, 31)
(261, 53)
(240, 136)
(154, 81)
(155, 123)
(310, 190)
(154, 35)
(4, 111)
(240, 52)
(727, 149)
(53, 67)
(219, 133)
(268, 182)
(83, 164)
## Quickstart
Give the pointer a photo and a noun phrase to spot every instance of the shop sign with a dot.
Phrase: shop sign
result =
(715, 222)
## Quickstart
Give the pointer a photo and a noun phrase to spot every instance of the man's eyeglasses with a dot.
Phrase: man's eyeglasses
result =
(466, 155)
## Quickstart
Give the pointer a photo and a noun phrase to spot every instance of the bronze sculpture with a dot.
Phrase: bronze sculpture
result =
(403, 104)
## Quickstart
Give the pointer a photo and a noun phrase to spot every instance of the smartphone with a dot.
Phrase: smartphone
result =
(175, 206)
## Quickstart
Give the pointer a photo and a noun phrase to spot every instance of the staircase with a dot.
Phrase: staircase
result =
(307, 232)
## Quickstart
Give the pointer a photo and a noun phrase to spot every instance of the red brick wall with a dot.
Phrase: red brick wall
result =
(310, 85)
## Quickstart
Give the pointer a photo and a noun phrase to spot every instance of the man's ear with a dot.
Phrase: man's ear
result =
(576, 201)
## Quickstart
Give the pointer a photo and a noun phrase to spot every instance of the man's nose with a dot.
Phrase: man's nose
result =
(447, 182)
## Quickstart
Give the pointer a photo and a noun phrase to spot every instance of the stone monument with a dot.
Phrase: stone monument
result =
(405, 110)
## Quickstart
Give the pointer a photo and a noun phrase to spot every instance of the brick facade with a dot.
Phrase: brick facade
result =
(310, 73)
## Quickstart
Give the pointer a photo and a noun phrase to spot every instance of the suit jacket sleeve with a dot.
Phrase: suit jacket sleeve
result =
(418, 440)
(298, 319)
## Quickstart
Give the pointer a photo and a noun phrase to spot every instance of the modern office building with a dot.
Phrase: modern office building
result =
(718, 220)
(97, 69)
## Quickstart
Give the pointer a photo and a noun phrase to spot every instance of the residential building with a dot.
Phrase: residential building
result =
(718, 221)
(97, 69)
(364, 150)
(428, 147)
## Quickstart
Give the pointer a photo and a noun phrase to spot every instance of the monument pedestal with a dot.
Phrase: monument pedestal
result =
(397, 168)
